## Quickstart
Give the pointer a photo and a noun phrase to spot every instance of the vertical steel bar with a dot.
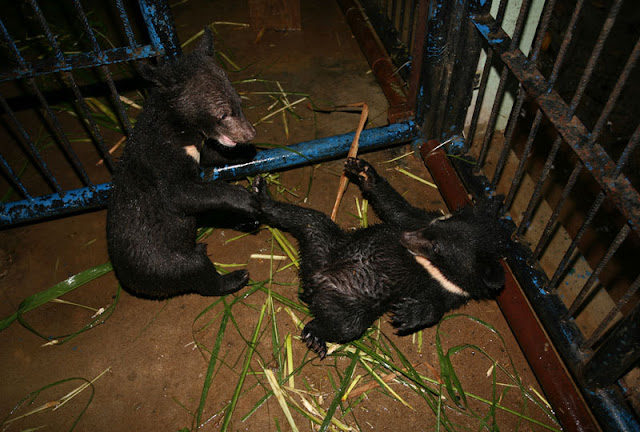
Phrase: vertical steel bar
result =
(631, 292)
(508, 136)
(126, 24)
(93, 127)
(619, 352)
(401, 29)
(627, 152)
(615, 93)
(582, 295)
(13, 178)
(31, 147)
(483, 82)
(159, 22)
(562, 267)
(577, 97)
(115, 97)
(515, 112)
(413, 25)
(495, 109)
(55, 123)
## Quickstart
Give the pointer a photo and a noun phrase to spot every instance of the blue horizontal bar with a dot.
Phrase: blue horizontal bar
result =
(317, 150)
(269, 160)
(83, 60)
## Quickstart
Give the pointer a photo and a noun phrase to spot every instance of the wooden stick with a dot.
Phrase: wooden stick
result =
(353, 152)
(114, 148)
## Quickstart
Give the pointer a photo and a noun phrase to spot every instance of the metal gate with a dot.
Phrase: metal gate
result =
(504, 86)
(538, 101)
(43, 42)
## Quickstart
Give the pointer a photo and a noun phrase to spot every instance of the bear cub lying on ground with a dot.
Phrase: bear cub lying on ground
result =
(158, 193)
(416, 264)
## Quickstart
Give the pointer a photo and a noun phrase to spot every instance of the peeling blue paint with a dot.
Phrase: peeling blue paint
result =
(269, 160)
(318, 150)
(54, 204)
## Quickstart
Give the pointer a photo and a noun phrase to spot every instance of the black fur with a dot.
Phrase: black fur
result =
(157, 189)
(349, 279)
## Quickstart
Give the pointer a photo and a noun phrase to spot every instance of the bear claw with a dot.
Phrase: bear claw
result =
(314, 343)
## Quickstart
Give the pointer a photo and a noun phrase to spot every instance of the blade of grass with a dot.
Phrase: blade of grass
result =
(208, 378)
(277, 391)
(340, 392)
(285, 107)
(245, 369)
(56, 291)
(415, 177)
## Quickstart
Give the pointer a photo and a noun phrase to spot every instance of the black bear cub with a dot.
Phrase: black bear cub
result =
(191, 118)
(416, 264)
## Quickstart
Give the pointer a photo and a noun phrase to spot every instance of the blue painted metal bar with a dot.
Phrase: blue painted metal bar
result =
(318, 150)
(84, 60)
(160, 26)
(126, 23)
(56, 204)
(269, 160)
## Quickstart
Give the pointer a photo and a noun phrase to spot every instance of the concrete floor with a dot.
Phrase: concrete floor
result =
(156, 354)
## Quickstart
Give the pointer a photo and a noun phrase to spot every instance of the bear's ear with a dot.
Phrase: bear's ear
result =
(162, 75)
(492, 273)
(206, 43)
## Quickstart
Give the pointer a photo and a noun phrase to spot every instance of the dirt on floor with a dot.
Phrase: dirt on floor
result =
(193, 361)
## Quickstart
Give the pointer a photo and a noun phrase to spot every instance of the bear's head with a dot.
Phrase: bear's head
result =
(463, 250)
(200, 94)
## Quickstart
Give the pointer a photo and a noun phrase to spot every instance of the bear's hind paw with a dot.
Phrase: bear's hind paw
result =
(314, 343)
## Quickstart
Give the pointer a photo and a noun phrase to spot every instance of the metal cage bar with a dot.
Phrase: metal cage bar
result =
(436, 46)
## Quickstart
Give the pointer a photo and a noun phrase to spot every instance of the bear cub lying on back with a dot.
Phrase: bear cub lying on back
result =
(416, 264)
(189, 120)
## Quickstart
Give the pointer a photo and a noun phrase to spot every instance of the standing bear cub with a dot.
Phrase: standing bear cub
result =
(158, 192)
(416, 264)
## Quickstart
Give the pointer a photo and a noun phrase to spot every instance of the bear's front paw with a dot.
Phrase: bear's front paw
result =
(259, 187)
(314, 343)
(362, 171)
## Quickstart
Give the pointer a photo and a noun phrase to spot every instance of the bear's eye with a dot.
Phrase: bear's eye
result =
(222, 116)
(435, 247)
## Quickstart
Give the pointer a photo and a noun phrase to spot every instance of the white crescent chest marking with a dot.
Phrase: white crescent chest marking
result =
(193, 152)
(435, 273)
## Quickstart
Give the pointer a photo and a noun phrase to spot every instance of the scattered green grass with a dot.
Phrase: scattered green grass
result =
(273, 365)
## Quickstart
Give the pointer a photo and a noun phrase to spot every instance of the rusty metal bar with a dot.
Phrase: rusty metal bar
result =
(515, 112)
(484, 81)
(594, 158)
(383, 69)
(579, 300)
(504, 75)
(619, 352)
(13, 178)
(545, 363)
(562, 52)
(631, 292)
